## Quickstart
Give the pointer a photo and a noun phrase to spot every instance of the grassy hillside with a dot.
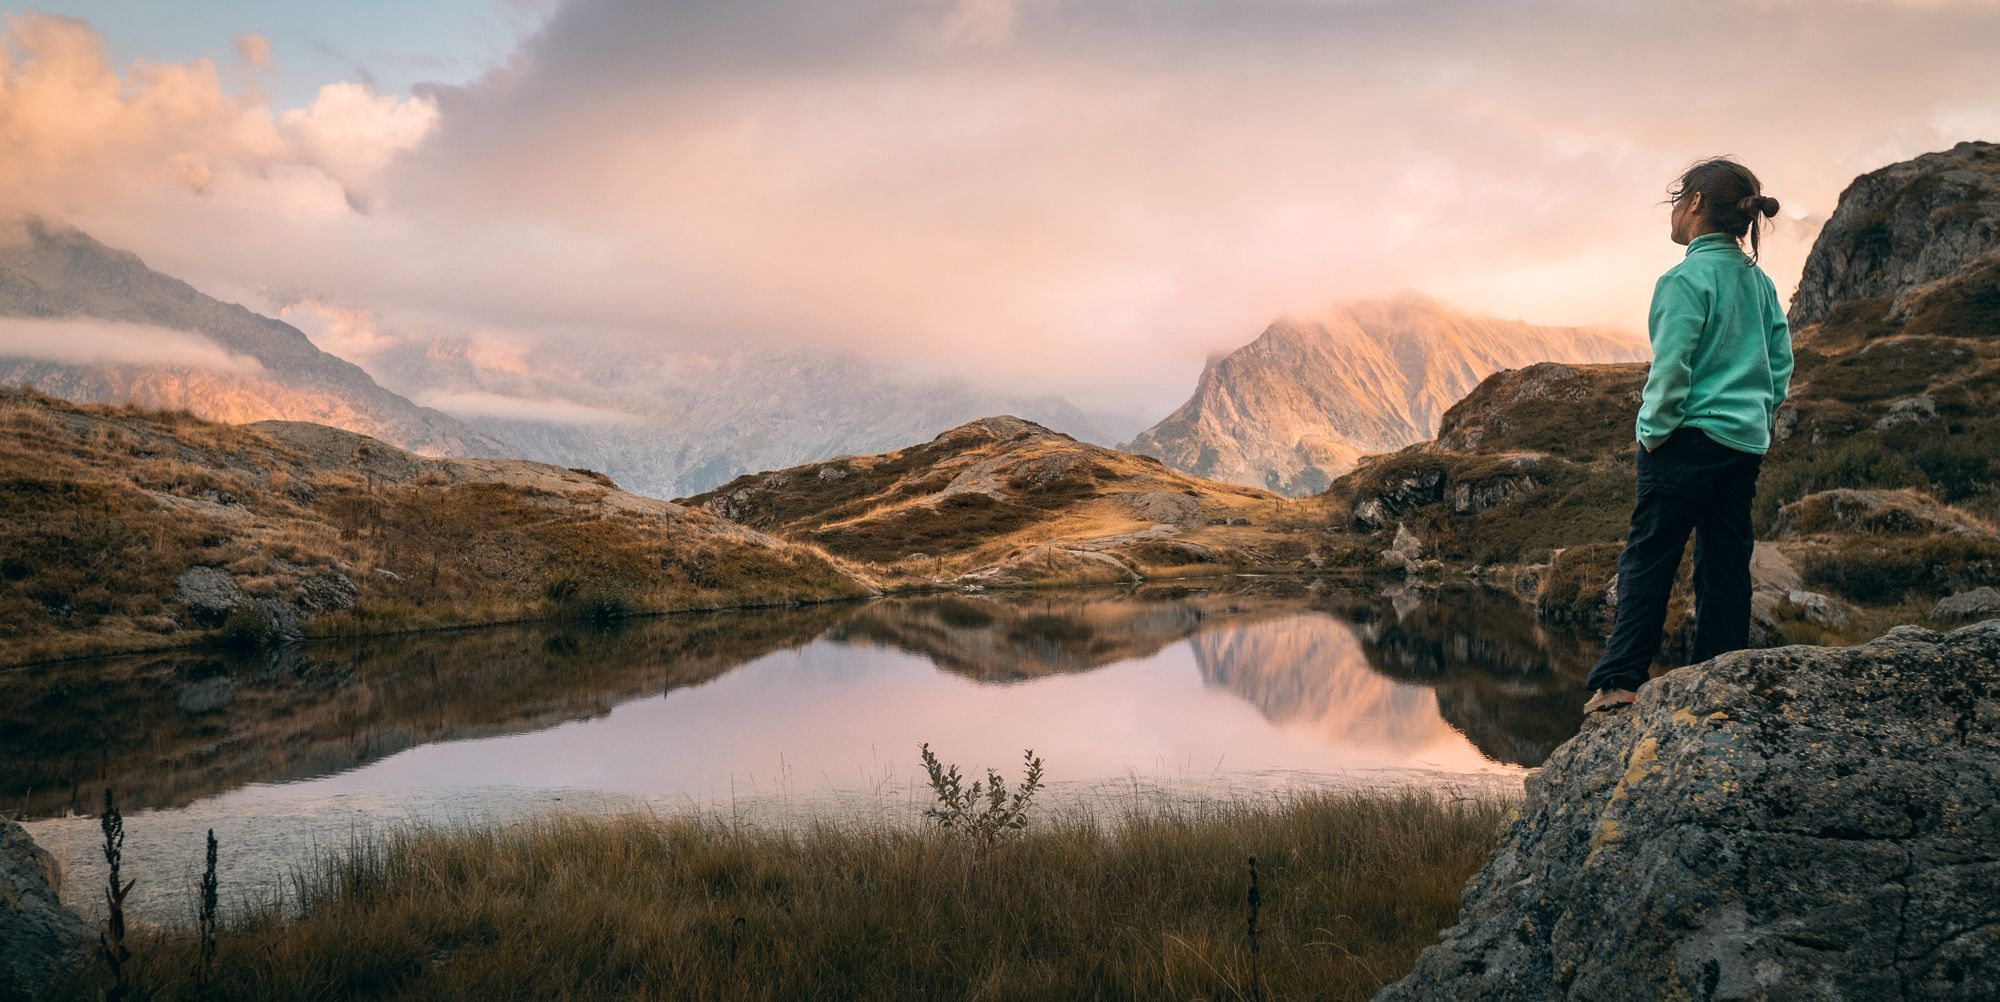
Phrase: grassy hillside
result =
(1002, 501)
(125, 529)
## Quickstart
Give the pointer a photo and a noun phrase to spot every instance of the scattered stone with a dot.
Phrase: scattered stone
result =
(1977, 603)
(1470, 498)
(1371, 514)
(209, 594)
(39, 938)
(323, 593)
(1819, 608)
(1772, 580)
(1786, 422)
(1918, 410)
(1791, 823)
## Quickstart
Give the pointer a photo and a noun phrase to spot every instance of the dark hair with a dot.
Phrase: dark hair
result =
(1732, 199)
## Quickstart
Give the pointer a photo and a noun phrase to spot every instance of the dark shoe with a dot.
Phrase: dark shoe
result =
(1605, 699)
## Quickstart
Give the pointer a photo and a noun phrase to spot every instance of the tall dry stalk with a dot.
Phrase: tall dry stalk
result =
(1256, 976)
(204, 968)
(111, 939)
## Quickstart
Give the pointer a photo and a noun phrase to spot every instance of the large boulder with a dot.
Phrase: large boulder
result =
(1793, 823)
(39, 938)
(1903, 226)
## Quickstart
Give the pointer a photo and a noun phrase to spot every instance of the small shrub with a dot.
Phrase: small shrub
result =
(959, 808)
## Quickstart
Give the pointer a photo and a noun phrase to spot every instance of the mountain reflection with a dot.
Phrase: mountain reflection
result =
(170, 729)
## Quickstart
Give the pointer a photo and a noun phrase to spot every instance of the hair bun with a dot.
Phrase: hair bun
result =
(1755, 205)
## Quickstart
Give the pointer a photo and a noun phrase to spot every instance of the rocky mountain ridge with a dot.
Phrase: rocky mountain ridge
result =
(267, 369)
(1303, 402)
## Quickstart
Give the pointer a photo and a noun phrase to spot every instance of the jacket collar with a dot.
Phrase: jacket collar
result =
(1713, 240)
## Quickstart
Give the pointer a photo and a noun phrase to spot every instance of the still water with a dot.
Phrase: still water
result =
(768, 717)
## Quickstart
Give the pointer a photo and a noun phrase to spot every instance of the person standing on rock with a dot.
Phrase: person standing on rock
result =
(1722, 361)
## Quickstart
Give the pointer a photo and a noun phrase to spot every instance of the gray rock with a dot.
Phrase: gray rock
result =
(1919, 409)
(281, 621)
(1370, 514)
(324, 593)
(1901, 227)
(1795, 823)
(1819, 608)
(1407, 542)
(1406, 494)
(1981, 601)
(1772, 579)
(39, 938)
(1469, 498)
(209, 594)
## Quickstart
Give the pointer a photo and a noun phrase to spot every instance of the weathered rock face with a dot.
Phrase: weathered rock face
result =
(1303, 402)
(38, 936)
(1794, 823)
(1903, 226)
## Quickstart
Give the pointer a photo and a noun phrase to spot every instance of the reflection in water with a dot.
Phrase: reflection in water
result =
(1511, 684)
(168, 730)
(1264, 683)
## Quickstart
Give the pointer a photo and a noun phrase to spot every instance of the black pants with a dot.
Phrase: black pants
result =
(1691, 483)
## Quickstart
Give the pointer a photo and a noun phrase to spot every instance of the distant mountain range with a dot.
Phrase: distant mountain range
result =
(1287, 412)
(672, 422)
(93, 324)
(1298, 406)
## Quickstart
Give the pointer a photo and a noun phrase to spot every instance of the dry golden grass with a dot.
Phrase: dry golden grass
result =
(1152, 905)
(102, 508)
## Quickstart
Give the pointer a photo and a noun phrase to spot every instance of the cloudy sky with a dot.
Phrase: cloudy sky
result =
(1082, 197)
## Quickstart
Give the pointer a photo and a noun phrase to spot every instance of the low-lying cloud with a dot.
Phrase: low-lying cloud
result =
(482, 404)
(101, 342)
(1081, 197)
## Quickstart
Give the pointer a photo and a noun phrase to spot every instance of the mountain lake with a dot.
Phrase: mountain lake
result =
(1164, 693)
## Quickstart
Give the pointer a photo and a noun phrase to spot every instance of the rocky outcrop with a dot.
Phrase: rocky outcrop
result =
(51, 273)
(1535, 408)
(1794, 823)
(38, 936)
(1973, 604)
(1873, 512)
(1902, 227)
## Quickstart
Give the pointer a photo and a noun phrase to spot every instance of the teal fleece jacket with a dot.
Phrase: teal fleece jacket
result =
(1722, 352)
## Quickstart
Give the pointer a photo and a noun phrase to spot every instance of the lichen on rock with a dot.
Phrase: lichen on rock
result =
(1792, 823)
